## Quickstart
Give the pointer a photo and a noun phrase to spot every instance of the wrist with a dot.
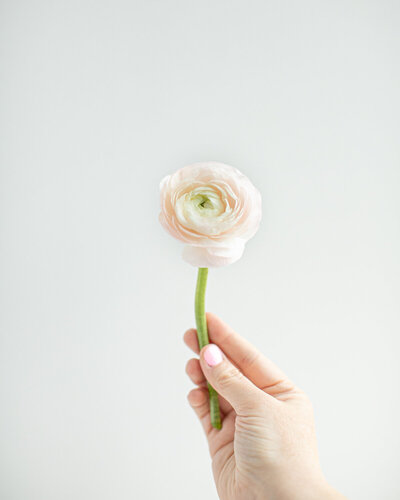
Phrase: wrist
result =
(304, 489)
(323, 491)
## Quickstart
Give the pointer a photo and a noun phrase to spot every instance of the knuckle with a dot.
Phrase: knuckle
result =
(228, 375)
(250, 358)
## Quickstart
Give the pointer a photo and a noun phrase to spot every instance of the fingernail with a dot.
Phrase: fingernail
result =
(212, 355)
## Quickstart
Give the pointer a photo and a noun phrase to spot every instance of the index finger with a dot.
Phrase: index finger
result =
(252, 363)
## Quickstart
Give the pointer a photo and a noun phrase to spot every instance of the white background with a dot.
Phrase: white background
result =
(101, 99)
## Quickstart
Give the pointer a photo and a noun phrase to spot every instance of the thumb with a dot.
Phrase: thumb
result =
(229, 382)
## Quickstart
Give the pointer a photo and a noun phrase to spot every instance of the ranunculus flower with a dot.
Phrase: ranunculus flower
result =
(213, 208)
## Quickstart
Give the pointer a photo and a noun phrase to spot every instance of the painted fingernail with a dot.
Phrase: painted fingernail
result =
(212, 355)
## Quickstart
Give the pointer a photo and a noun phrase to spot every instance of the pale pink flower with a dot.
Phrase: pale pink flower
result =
(213, 208)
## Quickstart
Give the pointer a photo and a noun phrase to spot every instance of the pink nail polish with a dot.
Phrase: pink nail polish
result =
(212, 355)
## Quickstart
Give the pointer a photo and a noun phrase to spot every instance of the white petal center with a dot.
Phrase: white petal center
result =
(205, 209)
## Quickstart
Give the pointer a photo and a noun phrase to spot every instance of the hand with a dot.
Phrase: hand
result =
(266, 449)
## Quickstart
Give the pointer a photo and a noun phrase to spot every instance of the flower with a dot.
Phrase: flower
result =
(213, 208)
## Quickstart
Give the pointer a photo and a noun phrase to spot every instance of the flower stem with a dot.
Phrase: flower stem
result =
(202, 335)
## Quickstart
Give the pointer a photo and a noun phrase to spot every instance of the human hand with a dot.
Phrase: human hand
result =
(267, 448)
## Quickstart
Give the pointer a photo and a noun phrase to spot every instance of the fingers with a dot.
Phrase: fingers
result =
(227, 380)
(196, 375)
(254, 365)
(190, 339)
(218, 440)
(198, 400)
(194, 372)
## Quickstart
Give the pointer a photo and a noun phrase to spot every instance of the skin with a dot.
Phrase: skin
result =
(267, 448)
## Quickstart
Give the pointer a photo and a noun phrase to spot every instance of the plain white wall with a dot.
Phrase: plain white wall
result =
(101, 99)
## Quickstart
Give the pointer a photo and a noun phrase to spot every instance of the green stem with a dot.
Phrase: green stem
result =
(202, 335)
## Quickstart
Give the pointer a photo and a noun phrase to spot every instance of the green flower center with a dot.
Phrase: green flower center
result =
(203, 202)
